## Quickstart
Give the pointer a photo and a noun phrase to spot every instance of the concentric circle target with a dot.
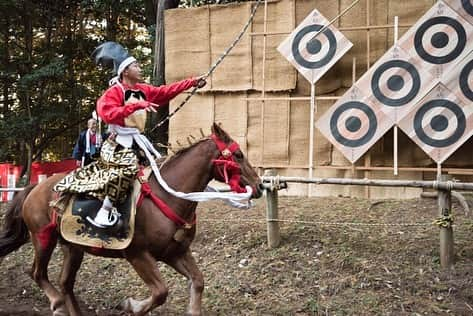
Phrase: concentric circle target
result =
(468, 6)
(440, 39)
(433, 123)
(464, 82)
(355, 128)
(396, 82)
(313, 46)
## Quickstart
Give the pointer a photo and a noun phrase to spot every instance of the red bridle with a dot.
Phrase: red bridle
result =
(225, 166)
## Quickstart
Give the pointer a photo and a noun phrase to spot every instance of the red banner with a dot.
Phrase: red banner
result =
(42, 170)
(9, 175)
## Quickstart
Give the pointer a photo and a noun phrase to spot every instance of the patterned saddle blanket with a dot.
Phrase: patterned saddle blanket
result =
(77, 229)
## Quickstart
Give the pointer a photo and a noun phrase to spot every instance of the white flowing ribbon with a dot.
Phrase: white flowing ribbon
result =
(152, 154)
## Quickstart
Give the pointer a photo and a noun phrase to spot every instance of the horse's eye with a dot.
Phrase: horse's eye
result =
(238, 155)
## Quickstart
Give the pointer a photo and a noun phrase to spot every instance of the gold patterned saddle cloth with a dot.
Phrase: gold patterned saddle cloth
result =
(75, 227)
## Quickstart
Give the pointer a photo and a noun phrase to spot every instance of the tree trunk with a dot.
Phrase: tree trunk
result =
(6, 64)
(112, 21)
(161, 134)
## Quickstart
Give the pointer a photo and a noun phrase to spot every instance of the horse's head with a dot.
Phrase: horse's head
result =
(231, 166)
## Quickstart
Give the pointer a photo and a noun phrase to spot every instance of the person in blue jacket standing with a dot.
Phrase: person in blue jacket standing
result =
(88, 144)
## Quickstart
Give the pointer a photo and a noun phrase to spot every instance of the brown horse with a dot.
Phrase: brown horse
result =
(190, 170)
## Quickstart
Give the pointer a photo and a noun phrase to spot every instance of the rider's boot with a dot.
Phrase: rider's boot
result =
(107, 216)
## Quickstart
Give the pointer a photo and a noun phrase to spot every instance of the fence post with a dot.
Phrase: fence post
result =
(274, 236)
(446, 230)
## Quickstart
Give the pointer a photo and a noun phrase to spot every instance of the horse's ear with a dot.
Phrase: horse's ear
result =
(220, 133)
(216, 129)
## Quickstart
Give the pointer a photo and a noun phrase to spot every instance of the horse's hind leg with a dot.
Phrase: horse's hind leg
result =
(39, 273)
(146, 267)
(187, 266)
(71, 264)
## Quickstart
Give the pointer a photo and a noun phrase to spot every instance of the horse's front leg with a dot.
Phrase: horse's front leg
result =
(187, 266)
(146, 267)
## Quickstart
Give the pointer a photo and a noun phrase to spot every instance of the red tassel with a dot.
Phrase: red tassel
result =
(47, 236)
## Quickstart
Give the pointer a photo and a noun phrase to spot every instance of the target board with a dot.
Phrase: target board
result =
(353, 124)
(396, 82)
(462, 7)
(439, 40)
(313, 55)
(460, 79)
(439, 123)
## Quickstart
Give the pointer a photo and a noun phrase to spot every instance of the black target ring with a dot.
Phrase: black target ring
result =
(439, 60)
(457, 111)
(467, 6)
(314, 64)
(463, 80)
(354, 124)
(416, 82)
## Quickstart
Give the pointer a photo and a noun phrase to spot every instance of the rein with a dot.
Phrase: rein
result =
(225, 167)
(163, 206)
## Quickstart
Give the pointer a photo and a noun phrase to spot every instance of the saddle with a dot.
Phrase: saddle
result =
(75, 227)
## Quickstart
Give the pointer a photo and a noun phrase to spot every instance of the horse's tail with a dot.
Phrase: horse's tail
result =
(15, 233)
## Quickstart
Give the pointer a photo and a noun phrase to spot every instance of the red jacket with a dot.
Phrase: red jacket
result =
(112, 109)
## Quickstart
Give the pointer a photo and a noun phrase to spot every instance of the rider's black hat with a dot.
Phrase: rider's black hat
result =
(112, 55)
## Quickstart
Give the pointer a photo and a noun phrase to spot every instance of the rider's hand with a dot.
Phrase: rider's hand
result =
(151, 107)
(200, 82)
(78, 163)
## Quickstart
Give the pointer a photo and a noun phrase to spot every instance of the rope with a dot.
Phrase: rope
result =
(445, 221)
(264, 221)
(212, 69)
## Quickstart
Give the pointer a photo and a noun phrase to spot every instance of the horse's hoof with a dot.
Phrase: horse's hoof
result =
(128, 305)
(60, 311)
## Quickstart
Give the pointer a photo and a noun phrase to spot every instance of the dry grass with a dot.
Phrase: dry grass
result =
(321, 268)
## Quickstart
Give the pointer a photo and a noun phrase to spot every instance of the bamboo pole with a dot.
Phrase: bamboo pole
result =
(367, 161)
(311, 135)
(353, 80)
(442, 185)
(291, 98)
(342, 29)
(395, 140)
(446, 231)
(263, 83)
(273, 232)
(457, 171)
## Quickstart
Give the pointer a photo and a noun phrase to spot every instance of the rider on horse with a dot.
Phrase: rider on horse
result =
(123, 107)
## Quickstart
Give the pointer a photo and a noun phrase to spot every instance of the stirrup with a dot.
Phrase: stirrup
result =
(105, 218)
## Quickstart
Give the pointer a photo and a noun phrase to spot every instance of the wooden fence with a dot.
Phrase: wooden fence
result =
(273, 183)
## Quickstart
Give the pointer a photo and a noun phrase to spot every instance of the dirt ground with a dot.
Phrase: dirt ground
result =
(338, 256)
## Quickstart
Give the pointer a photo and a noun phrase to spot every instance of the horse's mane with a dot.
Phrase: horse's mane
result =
(181, 151)
(194, 142)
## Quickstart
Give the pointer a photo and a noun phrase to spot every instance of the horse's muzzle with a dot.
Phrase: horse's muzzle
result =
(257, 191)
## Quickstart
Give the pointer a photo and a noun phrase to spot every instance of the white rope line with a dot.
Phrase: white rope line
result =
(263, 221)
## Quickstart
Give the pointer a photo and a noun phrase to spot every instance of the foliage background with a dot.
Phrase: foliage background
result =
(48, 82)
